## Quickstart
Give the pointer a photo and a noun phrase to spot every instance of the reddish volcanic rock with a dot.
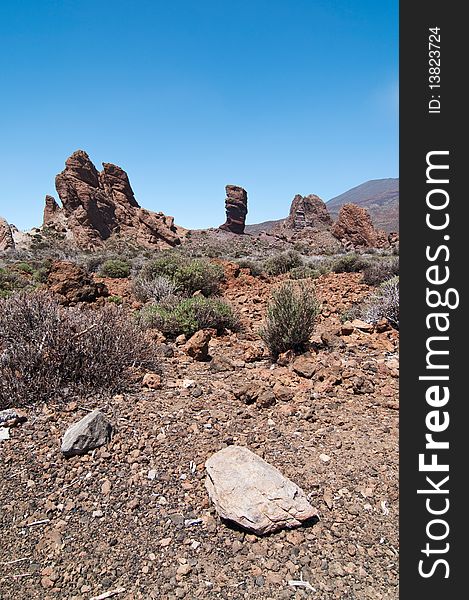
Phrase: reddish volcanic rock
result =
(308, 211)
(72, 284)
(236, 205)
(51, 210)
(96, 206)
(354, 228)
(6, 236)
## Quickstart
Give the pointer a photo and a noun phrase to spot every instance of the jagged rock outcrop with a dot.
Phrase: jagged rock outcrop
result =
(97, 205)
(308, 212)
(6, 236)
(354, 228)
(236, 206)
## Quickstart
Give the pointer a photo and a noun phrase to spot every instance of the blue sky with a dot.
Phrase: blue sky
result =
(279, 96)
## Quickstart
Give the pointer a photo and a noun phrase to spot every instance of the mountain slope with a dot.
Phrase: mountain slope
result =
(379, 196)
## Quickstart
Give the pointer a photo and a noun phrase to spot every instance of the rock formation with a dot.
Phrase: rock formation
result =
(354, 228)
(308, 211)
(97, 205)
(236, 205)
(6, 236)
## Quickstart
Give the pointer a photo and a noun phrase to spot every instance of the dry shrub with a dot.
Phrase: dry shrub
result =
(384, 304)
(48, 351)
(290, 319)
(380, 270)
(156, 289)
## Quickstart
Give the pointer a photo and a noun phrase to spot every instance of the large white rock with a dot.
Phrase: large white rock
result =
(249, 491)
(89, 433)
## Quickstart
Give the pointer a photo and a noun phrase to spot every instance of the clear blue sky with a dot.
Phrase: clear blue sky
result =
(279, 96)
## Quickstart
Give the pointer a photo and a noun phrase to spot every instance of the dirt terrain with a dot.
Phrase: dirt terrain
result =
(133, 518)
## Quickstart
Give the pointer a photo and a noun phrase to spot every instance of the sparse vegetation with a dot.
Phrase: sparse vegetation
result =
(188, 275)
(116, 268)
(283, 263)
(48, 351)
(10, 282)
(350, 263)
(255, 267)
(189, 315)
(304, 272)
(290, 320)
(380, 270)
(156, 289)
(384, 304)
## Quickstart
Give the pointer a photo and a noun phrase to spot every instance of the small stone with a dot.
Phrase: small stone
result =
(151, 474)
(347, 328)
(46, 582)
(106, 487)
(152, 381)
(97, 514)
(336, 570)
(165, 542)
(362, 325)
(197, 346)
(184, 569)
(89, 433)
(304, 366)
(325, 458)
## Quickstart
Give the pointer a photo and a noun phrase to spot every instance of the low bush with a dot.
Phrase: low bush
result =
(380, 270)
(384, 304)
(189, 315)
(350, 263)
(24, 267)
(283, 263)
(11, 282)
(48, 351)
(157, 289)
(290, 319)
(116, 268)
(188, 275)
(305, 272)
(255, 267)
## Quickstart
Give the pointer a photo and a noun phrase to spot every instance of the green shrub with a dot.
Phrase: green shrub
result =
(115, 300)
(290, 319)
(189, 275)
(350, 263)
(255, 268)
(380, 270)
(11, 282)
(282, 263)
(189, 315)
(24, 267)
(116, 268)
(305, 272)
(49, 351)
(40, 275)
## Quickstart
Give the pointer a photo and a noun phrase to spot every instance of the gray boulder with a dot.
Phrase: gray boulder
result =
(249, 491)
(89, 433)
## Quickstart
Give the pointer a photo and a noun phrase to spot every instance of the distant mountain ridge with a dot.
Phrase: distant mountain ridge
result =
(380, 197)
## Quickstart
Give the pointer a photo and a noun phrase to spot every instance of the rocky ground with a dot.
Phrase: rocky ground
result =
(133, 518)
